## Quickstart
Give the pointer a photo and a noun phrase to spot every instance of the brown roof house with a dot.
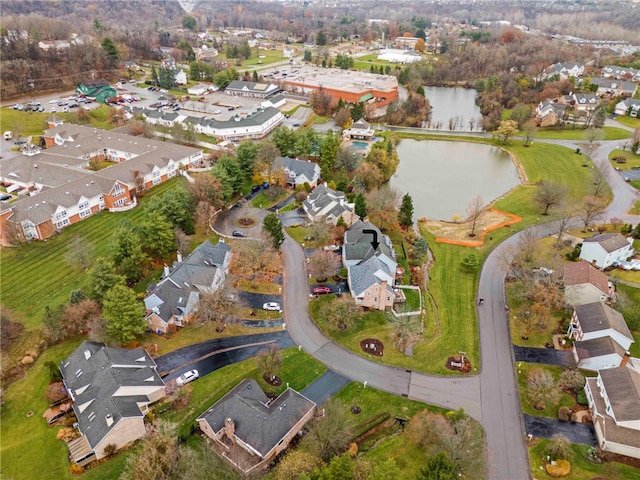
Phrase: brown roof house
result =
(601, 336)
(605, 249)
(614, 400)
(111, 389)
(174, 300)
(584, 283)
(249, 430)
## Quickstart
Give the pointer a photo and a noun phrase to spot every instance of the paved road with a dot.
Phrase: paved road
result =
(549, 356)
(546, 427)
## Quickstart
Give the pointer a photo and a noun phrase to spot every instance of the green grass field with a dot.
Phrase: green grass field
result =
(629, 121)
(37, 274)
(610, 133)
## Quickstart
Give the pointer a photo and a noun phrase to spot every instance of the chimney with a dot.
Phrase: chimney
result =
(625, 359)
(166, 270)
(109, 419)
(87, 354)
(179, 257)
(229, 429)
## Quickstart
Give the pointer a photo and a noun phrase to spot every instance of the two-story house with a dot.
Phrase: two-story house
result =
(298, 172)
(111, 389)
(372, 268)
(174, 300)
(614, 400)
(605, 249)
(601, 336)
(328, 205)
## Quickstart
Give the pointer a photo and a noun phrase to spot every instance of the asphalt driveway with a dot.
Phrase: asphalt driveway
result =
(546, 427)
(325, 387)
(549, 356)
(185, 355)
(256, 300)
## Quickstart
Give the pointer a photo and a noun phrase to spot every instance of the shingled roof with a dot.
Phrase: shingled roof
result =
(259, 423)
(594, 317)
(610, 242)
(578, 273)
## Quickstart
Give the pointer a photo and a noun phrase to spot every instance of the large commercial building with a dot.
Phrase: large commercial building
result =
(349, 85)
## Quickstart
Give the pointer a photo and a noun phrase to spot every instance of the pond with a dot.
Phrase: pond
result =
(444, 177)
(453, 109)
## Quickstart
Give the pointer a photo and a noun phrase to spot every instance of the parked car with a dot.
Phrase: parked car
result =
(4, 196)
(187, 377)
(321, 290)
(255, 188)
(331, 248)
(272, 306)
(265, 185)
(238, 233)
(20, 141)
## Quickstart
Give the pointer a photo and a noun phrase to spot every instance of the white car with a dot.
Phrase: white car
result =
(273, 306)
(187, 377)
(331, 248)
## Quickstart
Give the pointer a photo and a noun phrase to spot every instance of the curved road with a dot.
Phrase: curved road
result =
(492, 396)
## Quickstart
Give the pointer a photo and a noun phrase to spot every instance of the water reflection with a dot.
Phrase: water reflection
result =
(443, 177)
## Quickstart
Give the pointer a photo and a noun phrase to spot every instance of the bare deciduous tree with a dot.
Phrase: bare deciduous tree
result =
(256, 258)
(322, 263)
(561, 225)
(592, 208)
(474, 209)
(269, 360)
(548, 195)
(382, 207)
(541, 388)
(599, 177)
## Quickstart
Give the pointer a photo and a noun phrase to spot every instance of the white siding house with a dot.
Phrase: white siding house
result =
(605, 249)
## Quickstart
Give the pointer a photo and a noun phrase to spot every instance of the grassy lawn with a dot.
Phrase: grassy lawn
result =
(263, 201)
(23, 123)
(43, 267)
(629, 121)
(581, 467)
(260, 287)
(635, 210)
(610, 133)
(550, 411)
(630, 159)
(299, 370)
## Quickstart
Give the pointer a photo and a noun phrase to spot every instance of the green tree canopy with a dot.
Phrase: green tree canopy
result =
(124, 314)
(110, 49)
(157, 234)
(246, 155)
(272, 225)
(405, 215)
(189, 22)
(103, 277)
(439, 467)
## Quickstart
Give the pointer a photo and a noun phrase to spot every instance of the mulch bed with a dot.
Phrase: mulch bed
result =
(372, 346)
(274, 380)
(452, 364)
(614, 457)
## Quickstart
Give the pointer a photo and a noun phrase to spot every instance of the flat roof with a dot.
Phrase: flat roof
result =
(338, 79)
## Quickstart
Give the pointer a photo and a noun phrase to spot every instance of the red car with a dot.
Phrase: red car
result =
(321, 290)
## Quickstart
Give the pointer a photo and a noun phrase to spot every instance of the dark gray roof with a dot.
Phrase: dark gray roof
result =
(180, 291)
(598, 347)
(309, 169)
(258, 117)
(597, 316)
(357, 244)
(257, 422)
(93, 373)
(613, 84)
(365, 274)
(622, 385)
(610, 242)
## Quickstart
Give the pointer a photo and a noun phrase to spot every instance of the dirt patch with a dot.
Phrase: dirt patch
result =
(458, 233)
(245, 222)
(372, 346)
(456, 364)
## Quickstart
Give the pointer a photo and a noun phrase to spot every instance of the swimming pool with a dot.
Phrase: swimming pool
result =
(359, 145)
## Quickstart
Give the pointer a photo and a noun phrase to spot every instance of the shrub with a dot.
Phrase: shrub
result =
(581, 398)
(76, 469)
(55, 392)
(559, 447)
(54, 371)
(67, 434)
(110, 449)
(560, 469)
